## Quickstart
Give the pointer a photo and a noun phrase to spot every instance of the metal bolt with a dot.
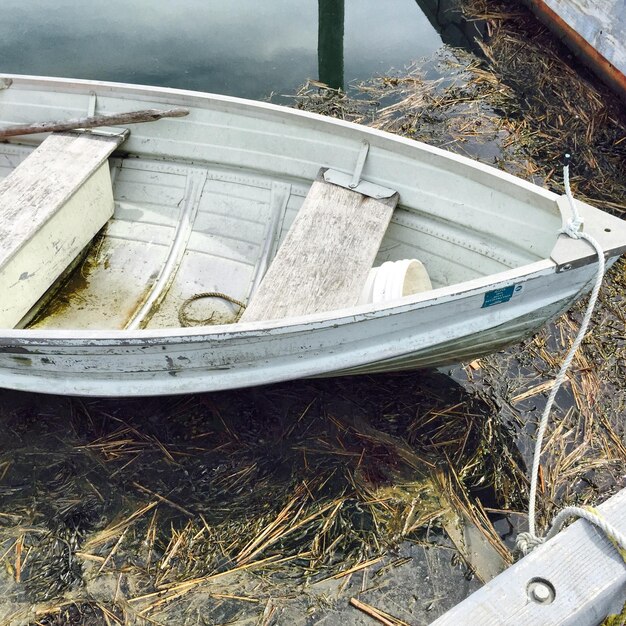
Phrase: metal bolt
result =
(541, 591)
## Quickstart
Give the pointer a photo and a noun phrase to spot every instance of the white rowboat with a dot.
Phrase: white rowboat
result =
(203, 203)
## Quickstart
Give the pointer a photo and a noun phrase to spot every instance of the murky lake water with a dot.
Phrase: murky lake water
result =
(236, 47)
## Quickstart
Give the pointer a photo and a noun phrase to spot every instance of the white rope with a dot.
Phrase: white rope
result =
(526, 542)
(529, 540)
(591, 516)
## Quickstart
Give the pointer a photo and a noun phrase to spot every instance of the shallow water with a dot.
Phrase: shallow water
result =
(226, 464)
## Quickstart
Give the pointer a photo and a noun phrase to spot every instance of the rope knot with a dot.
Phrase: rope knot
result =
(527, 542)
(573, 228)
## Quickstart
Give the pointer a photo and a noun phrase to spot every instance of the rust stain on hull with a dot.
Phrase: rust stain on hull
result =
(592, 58)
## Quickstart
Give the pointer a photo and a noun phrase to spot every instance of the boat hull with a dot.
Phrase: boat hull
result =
(419, 334)
(491, 241)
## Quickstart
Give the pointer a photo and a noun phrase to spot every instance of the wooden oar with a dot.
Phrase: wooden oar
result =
(111, 119)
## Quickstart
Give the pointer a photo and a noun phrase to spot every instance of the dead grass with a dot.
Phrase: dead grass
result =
(148, 504)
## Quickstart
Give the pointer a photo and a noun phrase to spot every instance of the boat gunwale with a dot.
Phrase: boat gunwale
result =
(191, 98)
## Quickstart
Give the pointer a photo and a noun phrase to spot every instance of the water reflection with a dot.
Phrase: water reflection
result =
(330, 42)
(447, 17)
(240, 47)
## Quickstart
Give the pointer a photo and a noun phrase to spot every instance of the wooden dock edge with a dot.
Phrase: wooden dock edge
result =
(584, 568)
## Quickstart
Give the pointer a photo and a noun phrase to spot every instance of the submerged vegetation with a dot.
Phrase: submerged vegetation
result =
(328, 500)
(222, 501)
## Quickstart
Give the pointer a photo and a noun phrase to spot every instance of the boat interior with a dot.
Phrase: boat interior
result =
(181, 229)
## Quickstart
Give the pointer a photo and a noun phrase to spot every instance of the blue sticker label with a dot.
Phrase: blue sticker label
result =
(499, 296)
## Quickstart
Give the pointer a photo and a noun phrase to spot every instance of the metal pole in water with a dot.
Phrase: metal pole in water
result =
(330, 42)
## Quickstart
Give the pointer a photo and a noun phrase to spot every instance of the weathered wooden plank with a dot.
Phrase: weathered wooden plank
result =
(324, 261)
(583, 567)
(601, 24)
(51, 206)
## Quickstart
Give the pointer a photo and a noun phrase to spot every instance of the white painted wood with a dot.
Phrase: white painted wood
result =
(51, 206)
(475, 228)
(583, 566)
(601, 24)
(594, 30)
(325, 259)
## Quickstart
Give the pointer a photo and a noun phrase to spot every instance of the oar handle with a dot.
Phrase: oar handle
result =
(93, 121)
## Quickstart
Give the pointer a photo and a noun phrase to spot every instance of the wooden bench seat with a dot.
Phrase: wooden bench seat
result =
(51, 206)
(326, 256)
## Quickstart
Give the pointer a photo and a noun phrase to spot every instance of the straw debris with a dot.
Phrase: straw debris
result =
(299, 484)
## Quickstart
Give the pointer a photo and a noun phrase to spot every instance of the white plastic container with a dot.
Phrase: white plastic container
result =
(393, 280)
